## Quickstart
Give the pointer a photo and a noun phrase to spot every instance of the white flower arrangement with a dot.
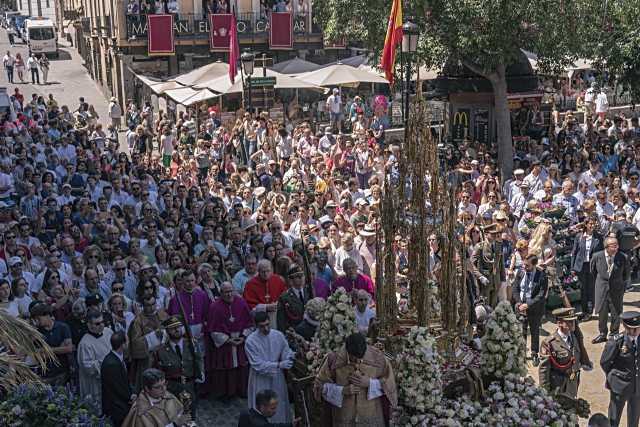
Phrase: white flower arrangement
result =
(337, 322)
(419, 378)
(503, 346)
(515, 402)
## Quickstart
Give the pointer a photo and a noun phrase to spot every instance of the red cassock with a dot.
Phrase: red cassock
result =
(227, 367)
(258, 291)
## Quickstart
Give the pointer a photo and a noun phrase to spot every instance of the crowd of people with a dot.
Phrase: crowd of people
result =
(111, 249)
(183, 258)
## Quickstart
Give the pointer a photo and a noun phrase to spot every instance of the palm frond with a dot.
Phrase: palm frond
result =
(20, 341)
(14, 372)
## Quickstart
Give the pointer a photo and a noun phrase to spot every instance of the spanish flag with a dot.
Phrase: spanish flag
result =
(394, 36)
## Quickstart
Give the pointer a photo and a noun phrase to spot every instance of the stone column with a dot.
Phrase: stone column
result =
(127, 80)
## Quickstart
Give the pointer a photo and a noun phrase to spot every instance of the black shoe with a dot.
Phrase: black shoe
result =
(535, 360)
(600, 338)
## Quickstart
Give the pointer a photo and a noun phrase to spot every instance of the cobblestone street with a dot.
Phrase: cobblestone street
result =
(220, 413)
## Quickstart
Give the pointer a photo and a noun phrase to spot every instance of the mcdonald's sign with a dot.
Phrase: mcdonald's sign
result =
(460, 125)
(461, 118)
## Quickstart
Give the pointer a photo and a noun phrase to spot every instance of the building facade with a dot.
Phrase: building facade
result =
(113, 36)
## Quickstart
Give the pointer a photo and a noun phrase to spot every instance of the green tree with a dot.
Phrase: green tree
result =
(484, 35)
(616, 46)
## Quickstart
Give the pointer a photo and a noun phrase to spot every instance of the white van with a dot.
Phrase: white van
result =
(41, 36)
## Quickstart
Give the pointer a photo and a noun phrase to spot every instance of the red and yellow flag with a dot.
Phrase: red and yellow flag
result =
(394, 37)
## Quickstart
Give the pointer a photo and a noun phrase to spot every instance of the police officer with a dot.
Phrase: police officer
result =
(619, 361)
(176, 359)
(560, 357)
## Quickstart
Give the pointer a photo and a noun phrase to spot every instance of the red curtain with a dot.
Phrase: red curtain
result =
(281, 30)
(160, 33)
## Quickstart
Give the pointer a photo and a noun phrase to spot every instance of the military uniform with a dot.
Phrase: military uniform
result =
(291, 303)
(488, 259)
(560, 359)
(180, 368)
(620, 362)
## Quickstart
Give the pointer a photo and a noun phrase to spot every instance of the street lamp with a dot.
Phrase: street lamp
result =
(410, 32)
(248, 61)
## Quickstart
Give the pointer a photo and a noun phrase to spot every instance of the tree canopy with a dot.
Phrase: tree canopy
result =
(615, 46)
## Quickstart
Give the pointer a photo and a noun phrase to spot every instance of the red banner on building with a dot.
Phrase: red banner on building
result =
(281, 30)
(220, 29)
(160, 33)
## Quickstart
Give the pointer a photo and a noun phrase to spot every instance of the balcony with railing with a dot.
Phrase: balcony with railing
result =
(249, 25)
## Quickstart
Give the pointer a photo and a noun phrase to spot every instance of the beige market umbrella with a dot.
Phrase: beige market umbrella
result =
(341, 75)
(295, 66)
(159, 86)
(188, 96)
(204, 73)
(223, 85)
(354, 61)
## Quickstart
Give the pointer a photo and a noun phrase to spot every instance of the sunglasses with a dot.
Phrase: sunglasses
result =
(118, 289)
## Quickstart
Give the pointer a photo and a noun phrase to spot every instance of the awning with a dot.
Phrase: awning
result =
(341, 75)
(188, 96)
(354, 61)
(295, 66)
(204, 73)
(159, 86)
(425, 73)
(223, 85)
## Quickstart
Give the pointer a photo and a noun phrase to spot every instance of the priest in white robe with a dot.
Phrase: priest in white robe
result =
(269, 355)
(92, 349)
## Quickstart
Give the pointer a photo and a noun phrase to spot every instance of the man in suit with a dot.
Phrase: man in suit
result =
(611, 269)
(291, 303)
(488, 260)
(585, 245)
(181, 363)
(529, 290)
(267, 404)
(117, 394)
(619, 361)
(560, 356)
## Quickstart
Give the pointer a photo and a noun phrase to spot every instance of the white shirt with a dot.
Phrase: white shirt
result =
(363, 319)
(6, 181)
(602, 104)
(8, 60)
(32, 63)
(526, 285)
(335, 104)
(166, 143)
(587, 245)
(535, 182)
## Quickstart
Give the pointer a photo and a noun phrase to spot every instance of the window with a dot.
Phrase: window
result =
(41, 34)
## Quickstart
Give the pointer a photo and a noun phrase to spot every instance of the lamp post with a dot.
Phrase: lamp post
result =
(248, 61)
(410, 33)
